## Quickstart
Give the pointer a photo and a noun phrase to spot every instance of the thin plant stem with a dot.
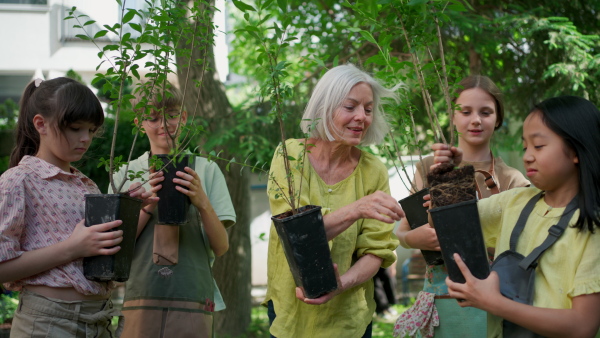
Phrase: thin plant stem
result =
(435, 125)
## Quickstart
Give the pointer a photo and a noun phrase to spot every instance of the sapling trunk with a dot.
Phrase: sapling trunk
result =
(444, 78)
(274, 68)
(433, 120)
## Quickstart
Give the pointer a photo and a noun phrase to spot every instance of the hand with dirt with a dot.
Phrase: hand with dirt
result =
(443, 153)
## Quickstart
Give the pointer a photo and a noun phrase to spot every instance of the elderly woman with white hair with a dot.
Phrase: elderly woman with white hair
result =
(352, 187)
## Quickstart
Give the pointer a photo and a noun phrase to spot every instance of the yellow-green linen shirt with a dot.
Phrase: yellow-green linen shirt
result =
(349, 313)
(569, 268)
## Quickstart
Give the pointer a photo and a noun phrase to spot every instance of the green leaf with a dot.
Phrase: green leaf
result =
(128, 16)
(87, 23)
(282, 5)
(136, 26)
(367, 35)
(377, 59)
(83, 37)
(266, 4)
(110, 47)
(243, 6)
(100, 34)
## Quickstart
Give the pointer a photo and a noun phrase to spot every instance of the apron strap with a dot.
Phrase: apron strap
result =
(554, 233)
(514, 236)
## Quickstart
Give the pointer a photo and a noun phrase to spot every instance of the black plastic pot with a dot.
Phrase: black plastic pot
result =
(305, 246)
(417, 215)
(173, 205)
(459, 231)
(103, 208)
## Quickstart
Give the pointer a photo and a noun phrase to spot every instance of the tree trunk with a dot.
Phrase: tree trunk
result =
(474, 61)
(210, 105)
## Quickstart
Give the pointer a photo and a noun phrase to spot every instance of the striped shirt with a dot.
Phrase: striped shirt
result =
(40, 205)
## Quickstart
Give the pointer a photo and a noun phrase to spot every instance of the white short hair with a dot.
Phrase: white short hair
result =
(329, 94)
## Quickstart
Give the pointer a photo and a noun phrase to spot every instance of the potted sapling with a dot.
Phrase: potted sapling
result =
(124, 57)
(300, 229)
(452, 190)
(100, 208)
(447, 186)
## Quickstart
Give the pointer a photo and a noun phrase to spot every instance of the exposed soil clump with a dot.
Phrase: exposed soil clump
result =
(449, 185)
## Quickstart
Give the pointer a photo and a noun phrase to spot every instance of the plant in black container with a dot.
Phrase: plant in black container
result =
(419, 72)
(123, 57)
(300, 229)
(120, 206)
(456, 219)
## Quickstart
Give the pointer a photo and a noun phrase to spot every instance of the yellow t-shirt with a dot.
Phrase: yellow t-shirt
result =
(349, 313)
(569, 268)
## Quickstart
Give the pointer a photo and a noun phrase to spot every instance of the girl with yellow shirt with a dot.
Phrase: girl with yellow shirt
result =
(561, 156)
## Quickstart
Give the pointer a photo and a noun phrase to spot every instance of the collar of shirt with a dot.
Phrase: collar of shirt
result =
(46, 170)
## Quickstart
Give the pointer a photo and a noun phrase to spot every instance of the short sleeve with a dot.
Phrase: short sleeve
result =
(587, 275)
(490, 216)
(12, 209)
(217, 192)
(375, 236)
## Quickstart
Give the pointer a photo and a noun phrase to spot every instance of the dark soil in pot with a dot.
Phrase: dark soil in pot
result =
(449, 185)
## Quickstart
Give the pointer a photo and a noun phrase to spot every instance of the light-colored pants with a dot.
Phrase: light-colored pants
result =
(39, 316)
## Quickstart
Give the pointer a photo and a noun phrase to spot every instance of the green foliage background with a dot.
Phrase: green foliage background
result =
(532, 50)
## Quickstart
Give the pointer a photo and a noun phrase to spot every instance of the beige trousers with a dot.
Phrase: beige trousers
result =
(39, 316)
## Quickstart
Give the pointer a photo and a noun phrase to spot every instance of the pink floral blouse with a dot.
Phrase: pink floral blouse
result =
(40, 205)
